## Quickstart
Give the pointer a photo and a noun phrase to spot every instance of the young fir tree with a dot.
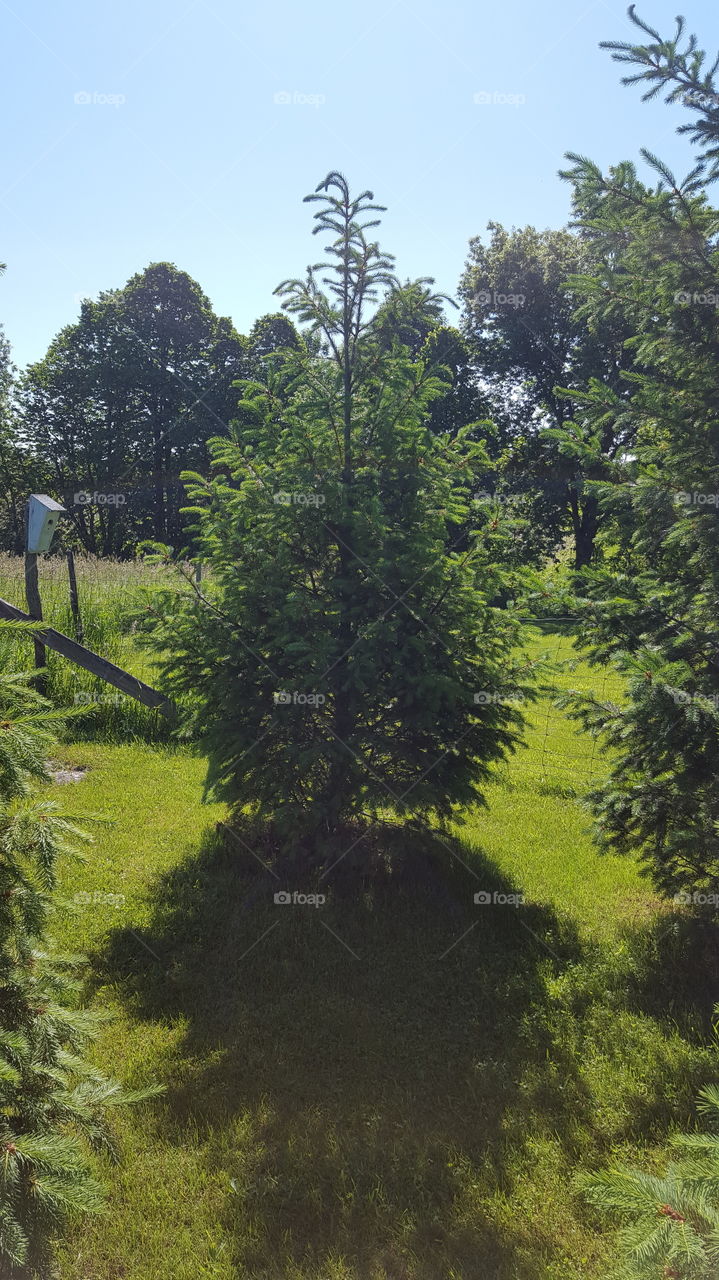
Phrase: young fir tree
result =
(669, 1223)
(52, 1102)
(345, 658)
(653, 606)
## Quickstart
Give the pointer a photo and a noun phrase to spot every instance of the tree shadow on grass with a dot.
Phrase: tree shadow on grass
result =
(645, 1008)
(675, 970)
(369, 1068)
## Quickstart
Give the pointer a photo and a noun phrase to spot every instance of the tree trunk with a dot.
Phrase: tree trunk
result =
(157, 459)
(585, 532)
(344, 711)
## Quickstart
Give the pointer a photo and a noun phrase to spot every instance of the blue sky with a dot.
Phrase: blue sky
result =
(146, 130)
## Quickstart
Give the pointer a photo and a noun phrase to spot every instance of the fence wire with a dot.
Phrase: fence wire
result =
(559, 750)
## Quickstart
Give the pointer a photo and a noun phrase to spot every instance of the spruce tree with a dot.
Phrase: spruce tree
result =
(652, 607)
(345, 657)
(669, 1222)
(53, 1103)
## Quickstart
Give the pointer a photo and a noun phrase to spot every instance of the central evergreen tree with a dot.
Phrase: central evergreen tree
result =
(345, 656)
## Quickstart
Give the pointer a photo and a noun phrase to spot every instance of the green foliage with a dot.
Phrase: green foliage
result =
(334, 661)
(125, 398)
(529, 343)
(408, 316)
(652, 607)
(19, 472)
(50, 1098)
(670, 1221)
(269, 334)
(666, 65)
(411, 318)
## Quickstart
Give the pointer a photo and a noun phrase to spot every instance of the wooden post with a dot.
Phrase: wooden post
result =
(34, 608)
(74, 601)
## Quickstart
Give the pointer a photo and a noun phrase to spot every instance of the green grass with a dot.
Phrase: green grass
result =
(397, 1085)
(535, 828)
(110, 593)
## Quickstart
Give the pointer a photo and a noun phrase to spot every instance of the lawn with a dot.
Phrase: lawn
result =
(397, 1084)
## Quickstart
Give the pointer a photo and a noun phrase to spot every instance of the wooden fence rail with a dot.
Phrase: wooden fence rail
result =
(92, 662)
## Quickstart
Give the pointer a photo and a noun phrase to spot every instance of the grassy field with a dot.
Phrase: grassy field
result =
(110, 595)
(398, 1084)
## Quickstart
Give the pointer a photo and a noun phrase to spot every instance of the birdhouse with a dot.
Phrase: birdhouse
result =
(43, 514)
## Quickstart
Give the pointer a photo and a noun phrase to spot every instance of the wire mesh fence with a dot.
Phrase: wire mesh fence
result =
(559, 750)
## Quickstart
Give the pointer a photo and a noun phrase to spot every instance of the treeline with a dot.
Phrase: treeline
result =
(128, 396)
(123, 401)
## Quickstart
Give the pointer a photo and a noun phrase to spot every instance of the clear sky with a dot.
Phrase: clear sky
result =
(146, 130)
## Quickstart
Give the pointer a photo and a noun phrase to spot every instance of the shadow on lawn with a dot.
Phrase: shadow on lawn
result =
(674, 970)
(365, 1068)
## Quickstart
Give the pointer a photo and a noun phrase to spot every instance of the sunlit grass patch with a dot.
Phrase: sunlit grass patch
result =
(398, 1082)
